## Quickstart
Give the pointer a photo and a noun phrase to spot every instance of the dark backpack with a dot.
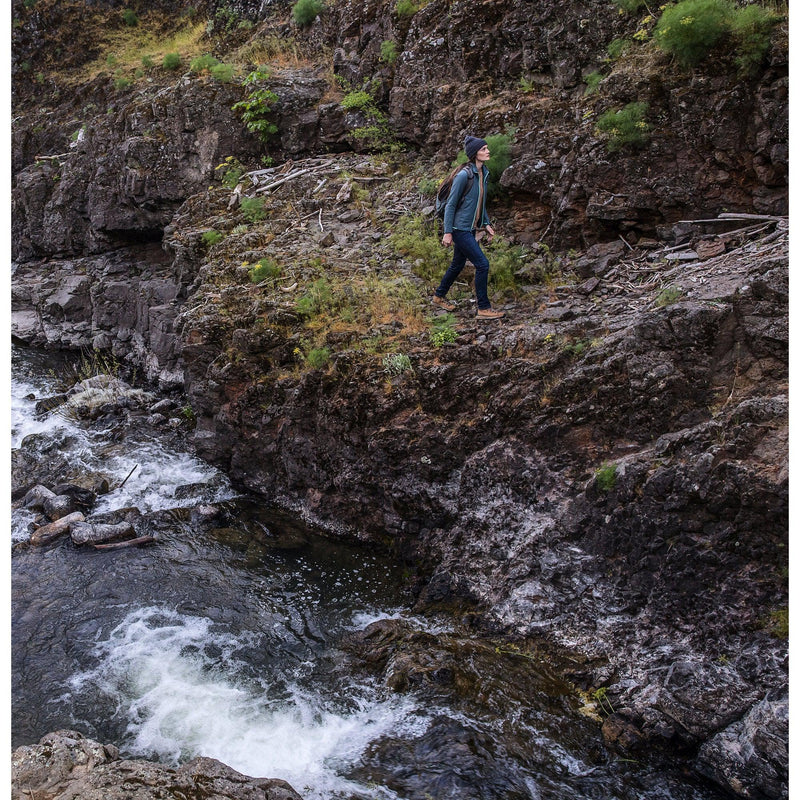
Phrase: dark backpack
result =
(447, 185)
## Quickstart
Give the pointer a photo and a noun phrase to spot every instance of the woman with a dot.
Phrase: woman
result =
(464, 215)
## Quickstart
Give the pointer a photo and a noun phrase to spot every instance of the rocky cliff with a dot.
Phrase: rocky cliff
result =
(606, 468)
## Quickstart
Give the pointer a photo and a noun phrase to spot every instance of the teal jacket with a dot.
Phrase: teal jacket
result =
(460, 217)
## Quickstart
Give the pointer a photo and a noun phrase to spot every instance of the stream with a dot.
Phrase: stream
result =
(224, 639)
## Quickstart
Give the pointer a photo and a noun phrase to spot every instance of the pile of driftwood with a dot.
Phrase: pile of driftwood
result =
(61, 511)
(762, 232)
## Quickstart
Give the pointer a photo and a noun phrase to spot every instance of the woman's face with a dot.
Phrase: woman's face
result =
(483, 154)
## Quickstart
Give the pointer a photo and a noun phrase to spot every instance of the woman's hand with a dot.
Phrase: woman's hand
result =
(447, 239)
(489, 233)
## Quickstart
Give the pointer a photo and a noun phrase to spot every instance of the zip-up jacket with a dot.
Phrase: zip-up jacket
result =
(461, 217)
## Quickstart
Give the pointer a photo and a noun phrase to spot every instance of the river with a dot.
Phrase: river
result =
(224, 640)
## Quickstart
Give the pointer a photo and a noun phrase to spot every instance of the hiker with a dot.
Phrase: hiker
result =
(464, 217)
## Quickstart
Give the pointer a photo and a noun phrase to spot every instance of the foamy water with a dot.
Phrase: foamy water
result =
(180, 683)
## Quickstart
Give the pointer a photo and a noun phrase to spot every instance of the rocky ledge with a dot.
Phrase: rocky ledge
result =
(604, 470)
(67, 764)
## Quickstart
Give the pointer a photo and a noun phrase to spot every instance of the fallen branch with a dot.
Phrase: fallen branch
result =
(135, 466)
(126, 543)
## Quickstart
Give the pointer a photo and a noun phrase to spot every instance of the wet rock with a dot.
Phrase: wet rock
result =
(98, 533)
(82, 497)
(751, 756)
(51, 531)
(49, 403)
(35, 498)
(58, 506)
(67, 764)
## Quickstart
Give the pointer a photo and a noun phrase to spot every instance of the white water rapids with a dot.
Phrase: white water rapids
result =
(226, 642)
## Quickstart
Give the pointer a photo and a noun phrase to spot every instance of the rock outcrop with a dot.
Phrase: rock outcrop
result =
(67, 764)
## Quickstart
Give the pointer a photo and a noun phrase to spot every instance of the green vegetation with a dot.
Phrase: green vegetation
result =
(443, 330)
(377, 134)
(172, 61)
(751, 27)
(210, 238)
(317, 298)
(232, 170)
(148, 63)
(222, 72)
(625, 127)
(668, 296)
(617, 47)
(601, 697)
(778, 624)
(592, 81)
(417, 239)
(526, 85)
(691, 29)
(203, 63)
(253, 208)
(265, 269)
(318, 357)
(406, 8)
(606, 477)
(130, 18)
(304, 12)
(388, 51)
(256, 108)
(396, 363)
(629, 6)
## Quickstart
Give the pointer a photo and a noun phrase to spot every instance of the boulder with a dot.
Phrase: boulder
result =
(67, 764)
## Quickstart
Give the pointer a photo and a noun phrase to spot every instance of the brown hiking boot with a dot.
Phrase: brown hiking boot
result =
(442, 303)
(490, 313)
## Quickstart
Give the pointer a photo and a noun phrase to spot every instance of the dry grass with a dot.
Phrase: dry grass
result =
(123, 49)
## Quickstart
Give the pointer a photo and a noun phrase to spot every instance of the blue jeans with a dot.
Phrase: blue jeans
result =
(465, 247)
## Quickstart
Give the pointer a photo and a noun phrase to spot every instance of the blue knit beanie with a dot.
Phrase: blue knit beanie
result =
(472, 145)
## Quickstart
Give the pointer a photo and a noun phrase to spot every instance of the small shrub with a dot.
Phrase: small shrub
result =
(130, 18)
(256, 108)
(617, 47)
(690, 30)
(396, 363)
(606, 477)
(668, 296)
(264, 270)
(231, 171)
(318, 357)
(171, 61)
(751, 28)
(628, 6)
(317, 298)
(428, 187)
(625, 127)
(377, 134)
(526, 85)
(222, 72)
(778, 624)
(406, 8)
(417, 239)
(210, 238)
(443, 330)
(121, 83)
(592, 81)
(388, 52)
(304, 12)
(253, 209)
(203, 63)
